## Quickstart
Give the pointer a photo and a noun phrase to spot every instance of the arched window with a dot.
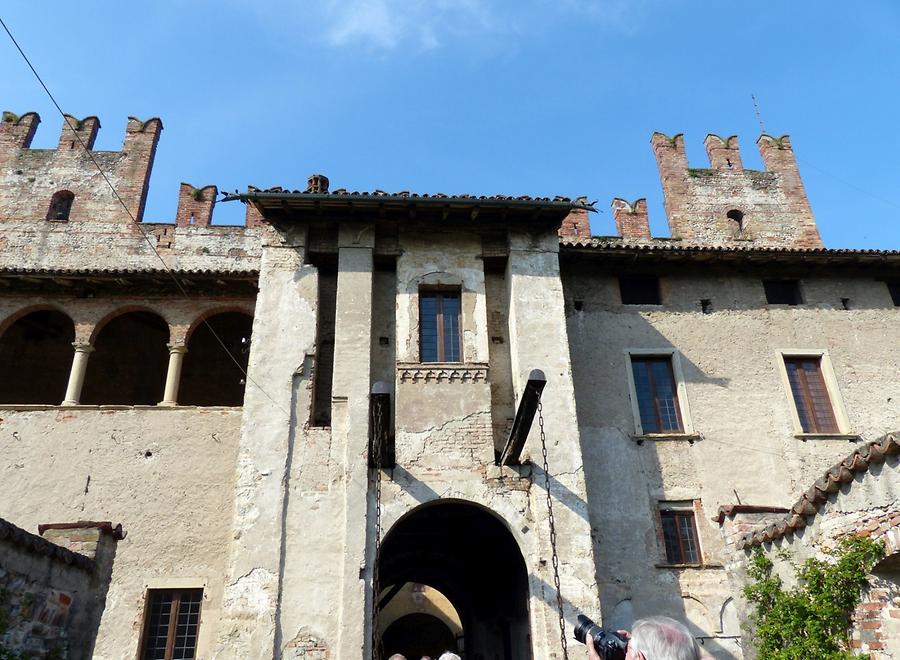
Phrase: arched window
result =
(60, 206)
(128, 366)
(209, 376)
(736, 222)
(36, 357)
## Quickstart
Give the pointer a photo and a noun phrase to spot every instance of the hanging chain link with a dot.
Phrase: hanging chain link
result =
(555, 556)
(376, 586)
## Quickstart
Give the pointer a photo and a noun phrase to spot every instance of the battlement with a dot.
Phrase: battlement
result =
(195, 205)
(632, 219)
(726, 202)
(64, 184)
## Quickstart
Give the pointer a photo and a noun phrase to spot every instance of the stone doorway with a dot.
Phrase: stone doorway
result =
(465, 554)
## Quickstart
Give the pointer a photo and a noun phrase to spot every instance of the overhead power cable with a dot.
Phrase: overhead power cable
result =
(247, 378)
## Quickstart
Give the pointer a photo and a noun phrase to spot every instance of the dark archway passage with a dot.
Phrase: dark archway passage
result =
(469, 555)
(128, 366)
(417, 635)
(210, 377)
(36, 357)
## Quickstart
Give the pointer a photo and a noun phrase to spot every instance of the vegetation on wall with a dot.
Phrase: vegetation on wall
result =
(812, 619)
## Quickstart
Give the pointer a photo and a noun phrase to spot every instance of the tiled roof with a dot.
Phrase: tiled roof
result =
(339, 193)
(15, 270)
(674, 245)
(807, 506)
(728, 510)
(38, 545)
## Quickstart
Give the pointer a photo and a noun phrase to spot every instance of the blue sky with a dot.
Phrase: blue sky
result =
(539, 97)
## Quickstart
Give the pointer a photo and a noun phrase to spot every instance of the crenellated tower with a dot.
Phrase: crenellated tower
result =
(726, 204)
(62, 184)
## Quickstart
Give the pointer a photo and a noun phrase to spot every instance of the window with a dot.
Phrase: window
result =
(639, 290)
(783, 292)
(656, 393)
(170, 625)
(894, 290)
(439, 326)
(736, 221)
(60, 206)
(810, 393)
(679, 532)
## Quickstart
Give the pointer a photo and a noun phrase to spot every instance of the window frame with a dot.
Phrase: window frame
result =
(679, 509)
(683, 411)
(826, 369)
(440, 292)
(177, 588)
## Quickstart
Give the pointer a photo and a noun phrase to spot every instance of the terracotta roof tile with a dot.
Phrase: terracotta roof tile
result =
(810, 502)
(673, 245)
(38, 545)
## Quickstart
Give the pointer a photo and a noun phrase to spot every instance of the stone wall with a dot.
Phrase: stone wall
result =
(729, 205)
(167, 473)
(745, 446)
(53, 589)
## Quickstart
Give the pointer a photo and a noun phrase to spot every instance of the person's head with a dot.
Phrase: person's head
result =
(449, 656)
(661, 638)
(397, 656)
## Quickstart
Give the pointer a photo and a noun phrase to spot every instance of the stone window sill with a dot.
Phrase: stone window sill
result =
(827, 436)
(691, 566)
(664, 437)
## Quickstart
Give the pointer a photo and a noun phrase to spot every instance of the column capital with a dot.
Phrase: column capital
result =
(83, 347)
(177, 348)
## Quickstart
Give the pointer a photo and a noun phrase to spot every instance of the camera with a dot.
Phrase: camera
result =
(610, 645)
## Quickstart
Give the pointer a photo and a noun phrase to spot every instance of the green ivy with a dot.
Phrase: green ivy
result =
(811, 620)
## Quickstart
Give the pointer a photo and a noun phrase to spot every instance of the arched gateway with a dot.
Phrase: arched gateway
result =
(469, 557)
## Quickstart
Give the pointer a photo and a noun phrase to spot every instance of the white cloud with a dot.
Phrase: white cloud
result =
(428, 24)
(388, 23)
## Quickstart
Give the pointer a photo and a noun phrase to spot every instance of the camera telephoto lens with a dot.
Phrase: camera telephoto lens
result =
(610, 645)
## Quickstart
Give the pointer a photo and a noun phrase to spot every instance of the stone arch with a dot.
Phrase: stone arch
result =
(470, 555)
(121, 311)
(128, 366)
(729, 619)
(213, 375)
(696, 615)
(35, 355)
(60, 206)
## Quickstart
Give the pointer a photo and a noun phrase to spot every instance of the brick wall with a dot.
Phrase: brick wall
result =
(771, 206)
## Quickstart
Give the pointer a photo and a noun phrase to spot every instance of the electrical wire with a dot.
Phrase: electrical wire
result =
(134, 220)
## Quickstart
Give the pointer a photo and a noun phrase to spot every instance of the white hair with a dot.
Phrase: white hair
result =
(397, 656)
(662, 638)
(449, 656)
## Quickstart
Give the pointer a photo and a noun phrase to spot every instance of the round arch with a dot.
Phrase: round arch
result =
(122, 311)
(128, 366)
(35, 355)
(210, 376)
(469, 554)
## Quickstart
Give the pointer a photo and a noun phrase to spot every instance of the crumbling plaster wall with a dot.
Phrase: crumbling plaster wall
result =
(165, 473)
(739, 408)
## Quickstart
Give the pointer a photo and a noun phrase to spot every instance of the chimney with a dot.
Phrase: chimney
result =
(317, 184)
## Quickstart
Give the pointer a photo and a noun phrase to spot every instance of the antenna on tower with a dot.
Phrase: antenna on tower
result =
(762, 127)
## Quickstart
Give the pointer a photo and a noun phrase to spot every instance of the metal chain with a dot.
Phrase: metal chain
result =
(376, 586)
(555, 557)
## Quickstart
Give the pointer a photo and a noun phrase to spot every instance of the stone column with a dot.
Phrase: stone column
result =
(350, 428)
(539, 340)
(173, 374)
(76, 375)
(284, 334)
